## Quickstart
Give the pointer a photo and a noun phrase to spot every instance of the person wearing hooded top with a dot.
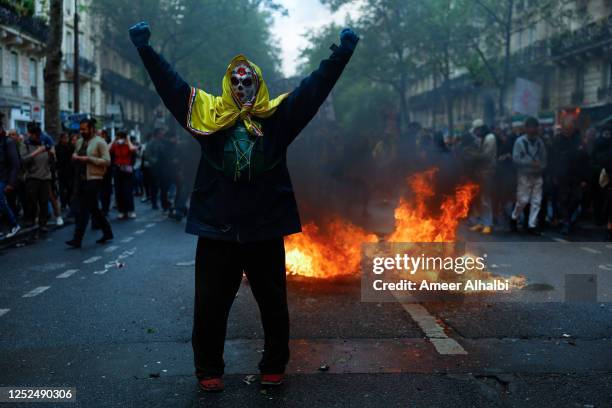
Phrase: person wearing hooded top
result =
(242, 204)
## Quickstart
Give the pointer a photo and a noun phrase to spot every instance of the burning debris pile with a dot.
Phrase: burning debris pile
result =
(331, 251)
(334, 249)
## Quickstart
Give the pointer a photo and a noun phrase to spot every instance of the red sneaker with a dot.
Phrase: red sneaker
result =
(272, 379)
(211, 384)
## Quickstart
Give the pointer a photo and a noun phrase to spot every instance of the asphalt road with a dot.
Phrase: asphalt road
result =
(114, 321)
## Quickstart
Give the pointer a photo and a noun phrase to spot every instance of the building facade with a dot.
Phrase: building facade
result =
(22, 39)
(127, 101)
(570, 66)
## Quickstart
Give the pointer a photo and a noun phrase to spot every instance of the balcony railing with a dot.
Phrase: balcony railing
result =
(34, 26)
(17, 91)
(590, 36)
(86, 67)
(124, 86)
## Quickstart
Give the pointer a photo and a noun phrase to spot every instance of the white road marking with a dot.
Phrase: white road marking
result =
(139, 231)
(92, 259)
(188, 263)
(126, 253)
(606, 267)
(111, 248)
(150, 225)
(442, 343)
(4, 311)
(67, 274)
(102, 272)
(560, 239)
(126, 240)
(609, 246)
(591, 250)
(36, 291)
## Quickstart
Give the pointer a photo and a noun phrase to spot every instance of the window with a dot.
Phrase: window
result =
(92, 93)
(33, 74)
(70, 96)
(69, 42)
(532, 34)
(68, 7)
(14, 75)
(579, 80)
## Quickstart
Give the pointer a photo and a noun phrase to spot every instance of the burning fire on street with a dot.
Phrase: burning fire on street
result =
(333, 250)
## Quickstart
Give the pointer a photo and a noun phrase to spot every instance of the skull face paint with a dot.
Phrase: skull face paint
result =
(244, 83)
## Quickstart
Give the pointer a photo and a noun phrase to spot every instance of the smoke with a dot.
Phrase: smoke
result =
(361, 177)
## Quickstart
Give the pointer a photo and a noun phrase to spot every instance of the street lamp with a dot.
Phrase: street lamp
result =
(75, 67)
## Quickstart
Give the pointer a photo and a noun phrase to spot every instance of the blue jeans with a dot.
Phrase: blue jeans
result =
(4, 207)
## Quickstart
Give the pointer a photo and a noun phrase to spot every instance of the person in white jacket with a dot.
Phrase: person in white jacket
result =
(529, 157)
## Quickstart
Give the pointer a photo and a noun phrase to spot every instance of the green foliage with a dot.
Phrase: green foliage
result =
(21, 7)
(199, 37)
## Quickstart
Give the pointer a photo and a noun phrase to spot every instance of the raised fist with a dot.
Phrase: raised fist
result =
(140, 34)
(349, 39)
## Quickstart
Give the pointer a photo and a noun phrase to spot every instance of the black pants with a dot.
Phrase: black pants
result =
(569, 196)
(65, 188)
(105, 191)
(219, 267)
(124, 191)
(147, 179)
(37, 200)
(87, 198)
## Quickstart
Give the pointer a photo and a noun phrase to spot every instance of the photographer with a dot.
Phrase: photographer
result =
(37, 154)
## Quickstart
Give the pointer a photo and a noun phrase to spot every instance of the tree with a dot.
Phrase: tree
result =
(53, 54)
(386, 28)
(440, 50)
(198, 37)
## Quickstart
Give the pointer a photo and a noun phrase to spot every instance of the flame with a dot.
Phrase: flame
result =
(326, 253)
(335, 250)
(415, 223)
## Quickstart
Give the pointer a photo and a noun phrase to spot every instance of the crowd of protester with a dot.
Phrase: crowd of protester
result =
(530, 175)
(87, 174)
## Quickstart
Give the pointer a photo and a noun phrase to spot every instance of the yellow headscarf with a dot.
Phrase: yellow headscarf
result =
(208, 113)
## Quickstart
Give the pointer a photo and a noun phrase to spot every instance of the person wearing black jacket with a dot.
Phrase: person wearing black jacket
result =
(9, 167)
(571, 172)
(242, 204)
(65, 169)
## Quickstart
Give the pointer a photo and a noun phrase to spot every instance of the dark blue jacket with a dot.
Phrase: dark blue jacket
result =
(264, 208)
(9, 161)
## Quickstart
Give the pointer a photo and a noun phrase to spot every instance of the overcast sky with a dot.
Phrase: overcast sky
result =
(303, 15)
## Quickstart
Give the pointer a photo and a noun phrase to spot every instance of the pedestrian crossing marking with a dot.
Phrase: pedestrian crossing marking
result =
(4, 311)
(67, 274)
(36, 291)
(434, 332)
(92, 259)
